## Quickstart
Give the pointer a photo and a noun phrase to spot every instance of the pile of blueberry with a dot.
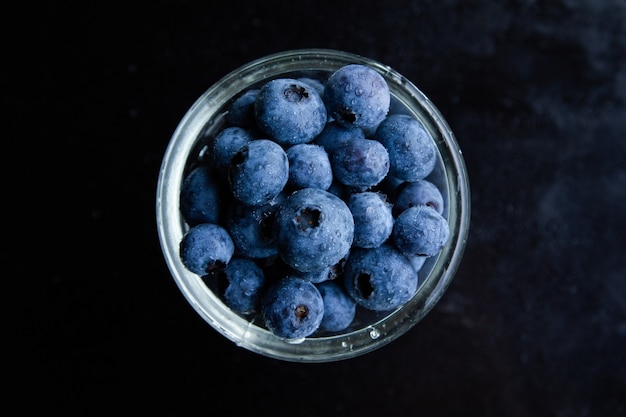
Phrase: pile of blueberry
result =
(313, 201)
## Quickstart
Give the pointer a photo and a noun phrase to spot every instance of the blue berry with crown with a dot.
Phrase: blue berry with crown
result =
(258, 172)
(206, 248)
(380, 279)
(226, 144)
(290, 111)
(241, 284)
(292, 308)
(357, 96)
(313, 229)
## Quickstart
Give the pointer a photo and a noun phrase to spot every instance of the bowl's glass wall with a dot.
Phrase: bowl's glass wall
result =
(206, 116)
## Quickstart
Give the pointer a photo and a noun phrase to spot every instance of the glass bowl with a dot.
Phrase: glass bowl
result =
(371, 330)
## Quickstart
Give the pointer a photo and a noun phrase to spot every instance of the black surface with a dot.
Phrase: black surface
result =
(534, 323)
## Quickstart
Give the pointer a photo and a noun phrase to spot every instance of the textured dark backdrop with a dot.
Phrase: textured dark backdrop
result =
(534, 323)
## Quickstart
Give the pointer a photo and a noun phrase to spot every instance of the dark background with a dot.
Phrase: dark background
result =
(534, 323)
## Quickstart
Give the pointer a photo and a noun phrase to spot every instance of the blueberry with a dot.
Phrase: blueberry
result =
(290, 111)
(292, 308)
(360, 163)
(258, 172)
(373, 221)
(241, 111)
(206, 248)
(334, 135)
(313, 229)
(241, 284)
(411, 194)
(339, 307)
(379, 279)
(226, 144)
(357, 95)
(420, 230)
(251, 228)
(309, 167)
(201, 196)
(412, 153)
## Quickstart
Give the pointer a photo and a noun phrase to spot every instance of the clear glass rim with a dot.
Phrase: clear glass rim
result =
(210, 307)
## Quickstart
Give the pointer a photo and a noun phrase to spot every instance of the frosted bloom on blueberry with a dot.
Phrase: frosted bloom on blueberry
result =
(420, 230)
(290, 111)
(313, 229)
(258, 172)
(241, 284)
(373, 221)
(380, 279)
(360, 163)
(206, 248)
(309, 167)
(339, 307)
(358, 96)
(292, 308)
(412, 153)
(201, 196)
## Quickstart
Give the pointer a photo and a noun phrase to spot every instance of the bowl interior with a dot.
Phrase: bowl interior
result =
(370, 330)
